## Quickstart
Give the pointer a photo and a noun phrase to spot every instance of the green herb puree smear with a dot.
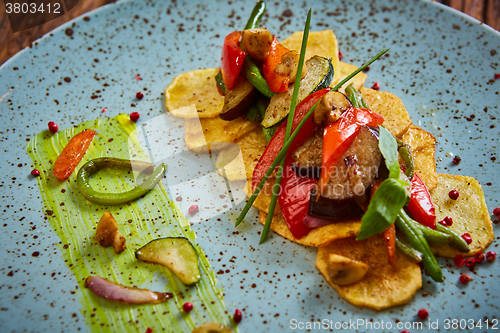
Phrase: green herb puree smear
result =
(74, 220)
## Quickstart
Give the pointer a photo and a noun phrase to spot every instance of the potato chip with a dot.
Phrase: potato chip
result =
(397, 119)
(317, 237)
(194, 95)
(321, 43)
(264, 198)
(345, 69)
(236, 162)
(469, 212)
(423, 147)
(384, 285)
(209, 134)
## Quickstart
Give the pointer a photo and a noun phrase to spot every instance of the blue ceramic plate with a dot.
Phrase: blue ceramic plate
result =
(441, 64)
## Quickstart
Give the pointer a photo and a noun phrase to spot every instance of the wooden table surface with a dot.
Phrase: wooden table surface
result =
(487, 11)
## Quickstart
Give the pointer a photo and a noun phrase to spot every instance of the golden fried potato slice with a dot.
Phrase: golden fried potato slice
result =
(209, 134)
(236, 162)
(384, 285)
(264, 198)
(194, 95)
(469, 212)
(345, 69)
(397, 119)
(423, 148)
(317, 237)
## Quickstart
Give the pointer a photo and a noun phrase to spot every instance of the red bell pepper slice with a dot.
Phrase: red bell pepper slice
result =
(277, 82)
(420, 205)
(274, 146)
(339, 135)
(233, 57)
(389, 236)
(294, 200)
(72, 154)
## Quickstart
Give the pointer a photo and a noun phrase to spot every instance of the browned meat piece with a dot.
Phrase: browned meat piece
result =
(257, 42)
(356, 169)
(107, 233)
(330, 108)
(288, 65)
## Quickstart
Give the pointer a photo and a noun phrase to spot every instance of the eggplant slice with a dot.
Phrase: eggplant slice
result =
(238, 100)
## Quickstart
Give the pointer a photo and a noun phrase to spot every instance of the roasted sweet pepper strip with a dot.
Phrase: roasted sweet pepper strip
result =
(233, 57)
(277, 82)
(72, 154)
(104, 198)
(274, 146)
(339, 135)
(420, 205)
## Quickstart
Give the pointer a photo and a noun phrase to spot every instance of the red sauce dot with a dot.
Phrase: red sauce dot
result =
(193, 209)
(467, 238)
(376, 86)
(465, 278)
(149, 330)
(340, 55)
(423, 313)
(134, 116)
(53, 128)
(35, 173)
(459, 260)
(453, 194)
(139, 95)
(187, 307)
(491, 256)
(238, 316)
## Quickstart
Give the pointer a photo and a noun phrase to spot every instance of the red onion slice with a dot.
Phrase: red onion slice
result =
(315, 222)
(117, 292)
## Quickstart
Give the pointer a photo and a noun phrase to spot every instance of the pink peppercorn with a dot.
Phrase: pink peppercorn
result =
(447, 221)
(453, 194)
(237, 316)
(479, 257)
(53, 128)
(497, 76)
(491, 256)
(193, 209)
(423, 314)
(459, 260)
(139, 95)
(470, 262)
(496, 211)
(187, 307)
(134, 116)
(467, 238)
(456, 159)
(340, 55)
(376, 86)
(465, 278)
(149, 330)
(367, 68)
(35, 173)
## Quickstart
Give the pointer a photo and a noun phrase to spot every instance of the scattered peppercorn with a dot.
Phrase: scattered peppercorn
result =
(447, 221)
(237, 316)
(187, 307)
(104, 110)
(497, 76)
(467, 238)
(496, 211)
(423, 314)
(193, 209)
(138, 77)
(340, 55)
(491, 256)
(456, 159)
(376, 86)
(470, 262)
(149, 330)
(139, 95)
(134, 116)
(465, 278)
(479, 257)
(459, 260)
(453, 194)
(53, 128)
(367, 68)
(35, 172)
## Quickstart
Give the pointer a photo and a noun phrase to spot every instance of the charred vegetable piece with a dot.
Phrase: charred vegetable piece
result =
(331, 107)
(319, 75)
(116, 292)
(331, 209)
(237, 100)
(72, 154)
(175, 253)
(104, 198)
(107, 233)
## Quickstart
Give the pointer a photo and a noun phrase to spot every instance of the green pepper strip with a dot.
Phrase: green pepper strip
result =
(253, 75)
(408, 250)
(407, 157)
(455, 240)
(104, 198)
(355, 97)
(257, 13)
(417, 240)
